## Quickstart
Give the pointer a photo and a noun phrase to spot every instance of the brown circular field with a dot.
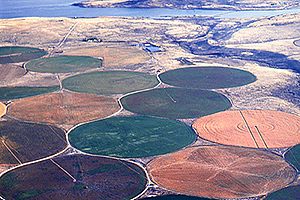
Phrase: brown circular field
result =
(2, 109)
(221, 172)
(250, 128)
(74, 177)
(63, 108)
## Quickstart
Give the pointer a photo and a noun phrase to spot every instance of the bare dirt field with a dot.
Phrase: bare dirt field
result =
(221, 172)
(250, 128)
(2, 109)
(9, 72)
(63, 108)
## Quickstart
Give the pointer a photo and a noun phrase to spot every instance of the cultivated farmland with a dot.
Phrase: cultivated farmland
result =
(23, 142)
(64, 108)
(293, 156)
(15, 54)
(176, 102)
(63, 64)
(113, 55)
(176, 197)
(110, 82)
(289, 193)
(8, 93)
(221, 172)
(207, 77)
(250, 128)
(89, 177)
(132, 137)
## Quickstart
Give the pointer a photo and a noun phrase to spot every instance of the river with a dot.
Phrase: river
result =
(63, 8)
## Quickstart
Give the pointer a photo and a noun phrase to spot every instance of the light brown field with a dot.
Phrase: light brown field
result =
(63, 108)
(10, 72)
(221, 172)
(113, 56)
(2, 109)
(250, 128)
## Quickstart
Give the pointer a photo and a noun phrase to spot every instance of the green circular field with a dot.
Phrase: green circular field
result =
(293, 156)
(176, 103)
(14, 54)
(207, 77)
(289, 193)
(131, 137)
(8, 93)
(63, 64)
(110, 82)
(74, 177)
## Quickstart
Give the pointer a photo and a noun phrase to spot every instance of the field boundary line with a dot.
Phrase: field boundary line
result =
(251, 134)
(60, 167)
(10, 151)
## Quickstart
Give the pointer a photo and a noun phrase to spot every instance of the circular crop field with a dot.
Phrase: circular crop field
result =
(221, 172)
(207, 77)
(14, 54)
(250, 128)
(2, 109)
(8, 93)
(63, 64)
(110, 82)
(293, 156)
(289, 193)
(88, 177)
(176, 102)
(64, 108)
(131, 137)
(28, 141)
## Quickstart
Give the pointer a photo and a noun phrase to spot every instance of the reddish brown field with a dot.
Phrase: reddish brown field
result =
(250, 128)
(2, 109)
(63, 108)
(221, 172)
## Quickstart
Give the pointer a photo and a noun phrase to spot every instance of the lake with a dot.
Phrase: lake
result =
(63, 8)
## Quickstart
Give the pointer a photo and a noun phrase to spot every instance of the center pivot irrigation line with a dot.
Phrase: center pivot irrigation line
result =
(295, 157)
(10, 151)
(249, 128)
(74, 180)
(261, 137)
(169, 95)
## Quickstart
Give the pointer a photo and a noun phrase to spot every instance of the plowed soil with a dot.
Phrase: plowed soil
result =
(221, 172)
(250, 128)
(96, 178)
(2, 109)
(63, 108)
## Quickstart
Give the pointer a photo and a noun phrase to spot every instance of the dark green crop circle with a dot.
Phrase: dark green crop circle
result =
(207, 77)
(131, 137)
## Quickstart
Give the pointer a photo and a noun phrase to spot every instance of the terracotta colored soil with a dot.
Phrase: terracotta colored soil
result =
(63, 108)
(221, 172)
(250, 128)
(2, 109)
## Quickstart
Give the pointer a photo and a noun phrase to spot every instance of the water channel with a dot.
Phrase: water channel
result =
(64, 8)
